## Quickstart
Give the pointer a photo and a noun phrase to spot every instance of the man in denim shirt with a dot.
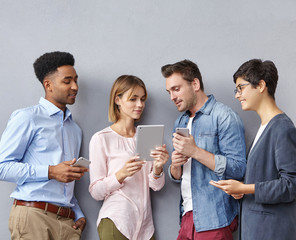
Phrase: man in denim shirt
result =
(214, 150)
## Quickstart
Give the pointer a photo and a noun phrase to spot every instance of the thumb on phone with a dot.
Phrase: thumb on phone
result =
(70, 162)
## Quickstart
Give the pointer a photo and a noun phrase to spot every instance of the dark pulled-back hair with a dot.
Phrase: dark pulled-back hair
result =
(255, 70)
(49, 62)
(189, 70)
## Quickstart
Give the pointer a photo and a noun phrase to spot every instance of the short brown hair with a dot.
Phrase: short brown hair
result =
(120, 86)
(188, 69)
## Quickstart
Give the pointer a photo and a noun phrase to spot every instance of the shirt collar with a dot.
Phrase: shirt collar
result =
(53, 109)
(207, 107)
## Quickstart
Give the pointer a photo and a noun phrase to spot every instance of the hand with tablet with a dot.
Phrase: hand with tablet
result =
(148, 138)
(150, 147)
(131, 166)
(160, 156)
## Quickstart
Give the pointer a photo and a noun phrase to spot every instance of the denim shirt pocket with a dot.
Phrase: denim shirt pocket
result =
(208, 141)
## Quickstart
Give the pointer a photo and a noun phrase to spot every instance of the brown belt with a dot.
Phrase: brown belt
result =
(60, 211)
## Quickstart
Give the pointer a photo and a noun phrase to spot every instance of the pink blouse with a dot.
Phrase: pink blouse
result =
(128, 204)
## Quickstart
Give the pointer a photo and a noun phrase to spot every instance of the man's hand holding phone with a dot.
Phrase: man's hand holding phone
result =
(82, 162)
(66, 171)
(183, 131)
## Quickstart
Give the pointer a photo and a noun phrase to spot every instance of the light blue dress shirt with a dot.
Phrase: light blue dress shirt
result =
(219, 130)
(36, 137)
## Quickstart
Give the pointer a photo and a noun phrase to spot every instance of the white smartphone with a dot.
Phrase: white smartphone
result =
(183, 131)
(81, 162)
(215, 181)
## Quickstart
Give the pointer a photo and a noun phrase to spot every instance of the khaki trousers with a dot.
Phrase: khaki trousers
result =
(29, 223)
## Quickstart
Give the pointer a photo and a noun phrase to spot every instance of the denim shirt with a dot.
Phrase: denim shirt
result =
(219, 130)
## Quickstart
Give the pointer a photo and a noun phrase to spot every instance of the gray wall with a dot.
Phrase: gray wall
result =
(110, 38)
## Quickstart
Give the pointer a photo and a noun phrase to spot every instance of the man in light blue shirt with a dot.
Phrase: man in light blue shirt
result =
(214, 150)
(37, 151)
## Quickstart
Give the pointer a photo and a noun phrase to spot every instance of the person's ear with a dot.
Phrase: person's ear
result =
(262, 86)
(116, 100)
(47, 84)
(196, 84)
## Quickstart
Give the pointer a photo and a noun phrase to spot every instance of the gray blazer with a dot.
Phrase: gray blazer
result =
(270, 213)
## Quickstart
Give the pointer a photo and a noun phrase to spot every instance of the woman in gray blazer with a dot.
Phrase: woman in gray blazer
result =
(269, 189)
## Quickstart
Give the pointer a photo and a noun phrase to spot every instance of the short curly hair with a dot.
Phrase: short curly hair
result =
(49, 62)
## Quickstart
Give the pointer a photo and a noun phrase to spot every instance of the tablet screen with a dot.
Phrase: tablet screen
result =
(148, 137)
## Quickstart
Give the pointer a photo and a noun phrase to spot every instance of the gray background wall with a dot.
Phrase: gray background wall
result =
(110, 38)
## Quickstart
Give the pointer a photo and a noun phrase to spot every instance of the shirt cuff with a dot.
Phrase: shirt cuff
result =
(78, 212)
(41, 172)
(171, 177)
(156, 183)
(220, 165)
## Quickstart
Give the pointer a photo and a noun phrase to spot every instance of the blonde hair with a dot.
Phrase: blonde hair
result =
(121, 85)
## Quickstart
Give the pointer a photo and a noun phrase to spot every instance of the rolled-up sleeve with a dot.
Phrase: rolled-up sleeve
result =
(171, 177)
(220, 164)
(232, 161)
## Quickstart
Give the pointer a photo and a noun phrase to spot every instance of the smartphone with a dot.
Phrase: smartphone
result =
(81, 162)
(183, 131)
(215, 181)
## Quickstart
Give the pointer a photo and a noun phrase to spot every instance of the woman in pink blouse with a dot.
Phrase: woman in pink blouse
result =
(119, 177)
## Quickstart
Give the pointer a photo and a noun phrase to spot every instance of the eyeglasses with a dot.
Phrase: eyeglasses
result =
(238, 89)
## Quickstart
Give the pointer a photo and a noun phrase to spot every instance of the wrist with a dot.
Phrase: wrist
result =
(157, 170)
(249, 188)
(196, 153)
(157, 175)
(176, 172)
(175, 167)
(50, 172)
(120, 177)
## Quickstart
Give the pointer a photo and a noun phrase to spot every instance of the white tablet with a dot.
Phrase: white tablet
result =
(148, 137)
